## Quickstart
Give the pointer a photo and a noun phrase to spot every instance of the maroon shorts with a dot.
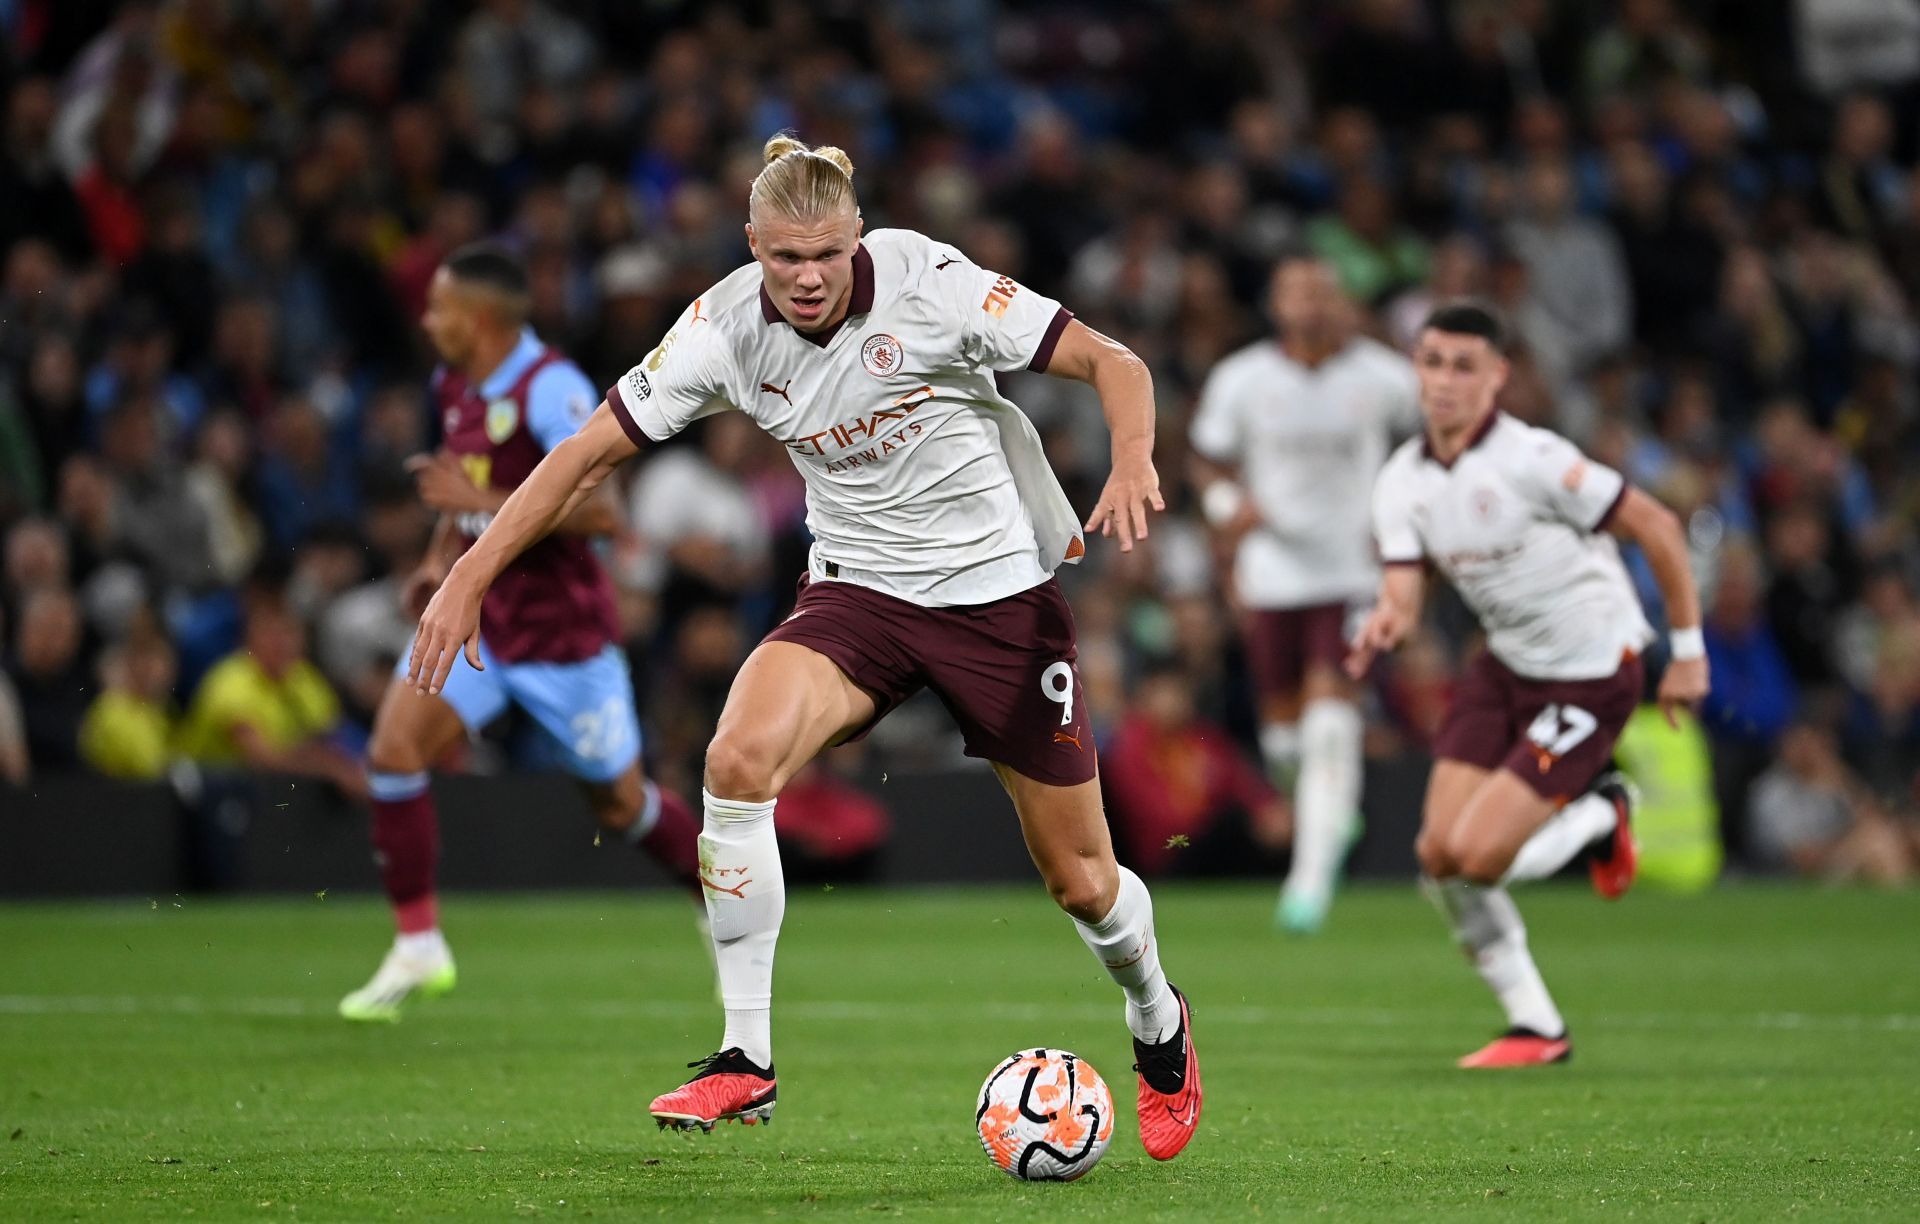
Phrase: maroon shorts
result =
(1283, 643)
(1006, 670)
(1557, 735)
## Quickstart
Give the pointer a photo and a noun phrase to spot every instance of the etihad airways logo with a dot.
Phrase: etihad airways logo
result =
(878, 434)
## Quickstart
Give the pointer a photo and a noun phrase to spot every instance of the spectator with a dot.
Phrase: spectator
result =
(1812, 816)
(129, 730)
(266, 706)
(1183, 797)
(830, 830)
(704, 540)
(49, 677)
(1574, 267)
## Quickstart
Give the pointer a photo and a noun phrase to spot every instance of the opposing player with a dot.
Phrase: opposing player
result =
(937, 527)
(1516, 519)
(547, 627)
(1288, 438)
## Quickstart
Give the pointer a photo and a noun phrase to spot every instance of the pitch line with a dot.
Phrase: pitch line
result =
(825, 1012)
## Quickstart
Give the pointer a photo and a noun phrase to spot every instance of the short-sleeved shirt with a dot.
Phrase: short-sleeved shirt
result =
(285, 712)
(923, 482)
(1516, 523)
(1308, 441)
(554, 603)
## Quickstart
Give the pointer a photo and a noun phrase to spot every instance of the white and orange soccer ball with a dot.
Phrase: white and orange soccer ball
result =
(1045, 1115)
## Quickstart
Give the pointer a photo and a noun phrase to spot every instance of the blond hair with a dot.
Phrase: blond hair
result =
(802, 183)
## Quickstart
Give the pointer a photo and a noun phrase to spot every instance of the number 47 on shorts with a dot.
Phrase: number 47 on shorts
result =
(1557, 730)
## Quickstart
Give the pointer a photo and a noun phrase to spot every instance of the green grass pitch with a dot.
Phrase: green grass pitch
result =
(1749, 1055)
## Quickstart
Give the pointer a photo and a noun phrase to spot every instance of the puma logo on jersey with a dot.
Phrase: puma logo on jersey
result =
(780, 391)
(1061, 737)
(697, 316)
(942, 265)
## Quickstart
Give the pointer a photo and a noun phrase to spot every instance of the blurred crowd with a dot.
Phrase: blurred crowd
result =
(219, 217)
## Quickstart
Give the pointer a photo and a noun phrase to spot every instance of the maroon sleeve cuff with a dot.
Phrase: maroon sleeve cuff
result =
(1043, 355)
(628, 425)
(1613, 507)
(1395, 562)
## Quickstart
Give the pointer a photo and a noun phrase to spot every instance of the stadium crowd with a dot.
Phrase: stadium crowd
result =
(219, 218)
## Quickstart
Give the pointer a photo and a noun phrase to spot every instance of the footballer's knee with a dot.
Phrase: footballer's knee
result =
(1085, 889)
(1431, 849)
(1479, 862)
(392, 752)
(743, 769)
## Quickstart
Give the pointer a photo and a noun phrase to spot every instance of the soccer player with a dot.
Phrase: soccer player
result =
(1288, 438)
(937, 527)
(1518, 521)
(547, 633)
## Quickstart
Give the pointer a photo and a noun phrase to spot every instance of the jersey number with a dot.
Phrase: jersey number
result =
(599, 733)
(1558, 728)
(1057, 683)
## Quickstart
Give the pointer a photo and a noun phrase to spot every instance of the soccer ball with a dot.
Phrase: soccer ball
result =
(1045, 1115)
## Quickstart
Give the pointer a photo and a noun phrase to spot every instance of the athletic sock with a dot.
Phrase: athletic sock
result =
(1280, 753)
(668, 833)
(1124, 942)
(746, 899)
(406, 843)
(1327, 798)
(424, 945)
(1566, 833)
(1487, 924)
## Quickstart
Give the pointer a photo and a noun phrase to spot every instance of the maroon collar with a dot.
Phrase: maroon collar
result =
(860, 301)
(1479, 436)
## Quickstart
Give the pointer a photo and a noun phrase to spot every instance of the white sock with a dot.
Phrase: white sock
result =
(423, 945)
(746, 899)
(1124, 942)
(1280, 752)
(1327, 798)
(1488, 926)
(1566, 833)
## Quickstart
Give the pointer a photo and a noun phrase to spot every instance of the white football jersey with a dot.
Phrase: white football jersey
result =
(923, 482)
(1516, 525)
(1308, 441)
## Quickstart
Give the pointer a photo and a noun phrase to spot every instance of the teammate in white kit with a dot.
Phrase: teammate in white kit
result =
(937, 528)
(1289, 436)
(1516, 519)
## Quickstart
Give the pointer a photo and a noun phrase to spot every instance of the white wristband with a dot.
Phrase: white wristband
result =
(1686, 644)
(1220, 501)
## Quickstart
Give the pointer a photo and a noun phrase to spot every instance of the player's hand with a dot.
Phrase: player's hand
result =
(1683, 687)
(444, 485)
(1131, 489)
(1385, 628)
(419, 588)
(450, 624)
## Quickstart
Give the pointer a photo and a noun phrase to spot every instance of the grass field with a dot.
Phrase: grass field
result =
(1752, 1055)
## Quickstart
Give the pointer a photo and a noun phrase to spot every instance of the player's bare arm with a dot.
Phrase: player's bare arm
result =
(1657, 531)
(444, 486)
(1126, 398)
(559, 485)
(1402, 588)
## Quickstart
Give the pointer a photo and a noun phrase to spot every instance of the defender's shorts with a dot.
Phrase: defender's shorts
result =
(1284, 643)
(586, 706)
(1557, 735)
(1005, 670)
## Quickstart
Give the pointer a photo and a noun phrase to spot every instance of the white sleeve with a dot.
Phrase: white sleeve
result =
(1571, 487)
(1002, 324)
(1216, 432)
(1403, 406)
(1394, 534)
(683, 379)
